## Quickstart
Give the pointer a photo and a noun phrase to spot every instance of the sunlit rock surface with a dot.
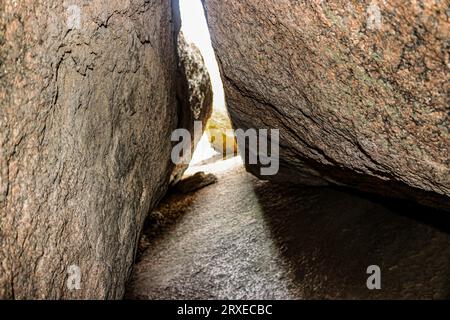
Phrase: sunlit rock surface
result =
(220, 133)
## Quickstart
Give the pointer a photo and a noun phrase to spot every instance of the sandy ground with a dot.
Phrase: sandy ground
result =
(242, 238)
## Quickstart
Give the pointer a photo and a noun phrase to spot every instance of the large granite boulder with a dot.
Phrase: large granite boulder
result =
(358, 89)
(196, 85)
(88, 100)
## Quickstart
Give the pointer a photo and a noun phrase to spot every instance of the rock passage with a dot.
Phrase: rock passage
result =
(243, 238)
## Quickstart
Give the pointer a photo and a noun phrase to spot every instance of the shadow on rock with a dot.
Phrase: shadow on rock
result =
(329, 237)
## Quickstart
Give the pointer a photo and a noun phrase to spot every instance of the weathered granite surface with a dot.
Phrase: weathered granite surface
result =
(196, 85)
(88, 100)
(359, 89)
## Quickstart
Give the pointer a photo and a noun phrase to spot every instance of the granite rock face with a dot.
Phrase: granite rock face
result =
(358, 89)
(88, 100)
(196, 85)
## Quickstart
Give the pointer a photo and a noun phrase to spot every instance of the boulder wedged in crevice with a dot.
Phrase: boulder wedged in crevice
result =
(357, 89)
(194, 82)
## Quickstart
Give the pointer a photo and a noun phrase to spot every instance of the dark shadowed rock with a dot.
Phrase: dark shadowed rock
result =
(87, 105)
(358, 89)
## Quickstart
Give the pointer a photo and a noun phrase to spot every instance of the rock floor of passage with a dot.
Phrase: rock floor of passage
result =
(243, 238)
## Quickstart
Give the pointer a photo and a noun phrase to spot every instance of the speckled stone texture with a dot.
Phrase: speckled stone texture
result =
(88, 100)
(196, 85)
(359, 89)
